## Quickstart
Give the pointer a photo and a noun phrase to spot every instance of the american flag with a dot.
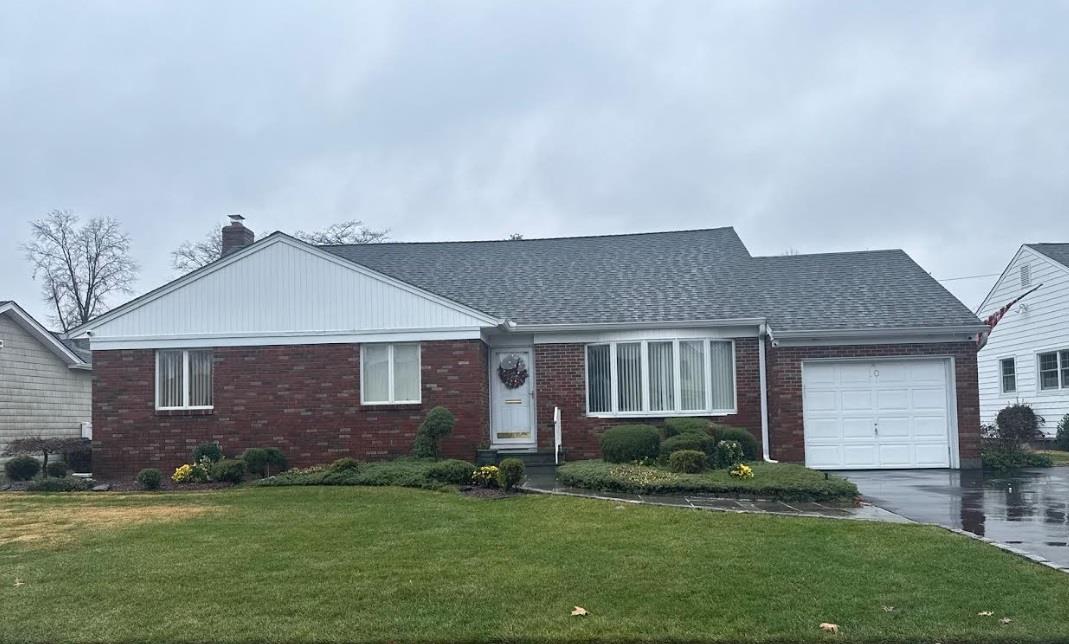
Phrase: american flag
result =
(996, 317)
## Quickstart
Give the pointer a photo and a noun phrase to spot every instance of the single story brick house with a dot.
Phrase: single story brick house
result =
(844, 360)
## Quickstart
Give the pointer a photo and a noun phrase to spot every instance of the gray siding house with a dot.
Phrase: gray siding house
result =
(45, 384)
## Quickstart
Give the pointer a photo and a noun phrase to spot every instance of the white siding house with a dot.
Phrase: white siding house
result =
(45, 386)
(1034, 331)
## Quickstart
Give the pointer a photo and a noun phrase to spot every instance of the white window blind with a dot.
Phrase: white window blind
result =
(184, 379)
(390, 373)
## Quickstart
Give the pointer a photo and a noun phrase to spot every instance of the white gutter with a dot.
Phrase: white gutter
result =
(904, 332)
(765, 331)
(627, 326)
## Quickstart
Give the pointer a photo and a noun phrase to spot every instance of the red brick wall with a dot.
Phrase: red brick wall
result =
(561, 381)
(304, 399)
(785, 391)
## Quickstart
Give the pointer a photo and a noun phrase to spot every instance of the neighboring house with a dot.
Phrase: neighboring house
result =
(341, 350)
(45, 383)
(1026, 358)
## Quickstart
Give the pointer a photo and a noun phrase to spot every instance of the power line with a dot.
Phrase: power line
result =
(968, 277)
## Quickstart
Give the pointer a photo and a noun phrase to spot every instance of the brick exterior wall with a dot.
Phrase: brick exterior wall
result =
(785, 392)
(303, 399)
(561, 382)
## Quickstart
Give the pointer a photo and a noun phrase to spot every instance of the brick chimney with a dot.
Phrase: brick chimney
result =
(236, 236)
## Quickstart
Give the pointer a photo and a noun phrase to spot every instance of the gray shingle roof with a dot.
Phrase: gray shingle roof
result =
(1057, 252)
(669, 277)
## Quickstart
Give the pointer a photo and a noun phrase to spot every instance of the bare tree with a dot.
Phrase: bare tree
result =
(79, 265)
(514, 236)
(192, 255)
(347, 232)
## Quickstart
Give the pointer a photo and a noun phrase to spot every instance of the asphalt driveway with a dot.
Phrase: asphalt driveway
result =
(1028, 510)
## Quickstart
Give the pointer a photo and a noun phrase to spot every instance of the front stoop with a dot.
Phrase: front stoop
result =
(529, 458)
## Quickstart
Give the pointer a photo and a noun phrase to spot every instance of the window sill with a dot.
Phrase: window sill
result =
(186, 412)
(390, 406)
(674, 414)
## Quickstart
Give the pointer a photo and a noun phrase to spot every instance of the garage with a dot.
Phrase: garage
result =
(878, 414)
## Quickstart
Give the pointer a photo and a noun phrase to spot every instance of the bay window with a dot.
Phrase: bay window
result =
(661, 377)
(389, 374)
(184, 379)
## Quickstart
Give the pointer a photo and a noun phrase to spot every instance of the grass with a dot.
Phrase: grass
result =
(380, 564)
(1057, 457)
(770, 480)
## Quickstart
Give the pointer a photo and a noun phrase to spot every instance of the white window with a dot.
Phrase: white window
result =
(184, 379)
(1008, 375)
(1054, 370)
(661, 378)
(389, 374)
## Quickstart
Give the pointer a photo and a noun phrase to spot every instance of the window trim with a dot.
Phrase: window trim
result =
(390, 374)
(677, 382)
(186, 384)
(1062, 369)
(1002, 375)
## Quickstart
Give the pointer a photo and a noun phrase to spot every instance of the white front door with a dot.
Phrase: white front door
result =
(512, 413)
(882, 414)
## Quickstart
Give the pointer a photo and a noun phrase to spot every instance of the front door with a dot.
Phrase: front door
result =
(512, 398)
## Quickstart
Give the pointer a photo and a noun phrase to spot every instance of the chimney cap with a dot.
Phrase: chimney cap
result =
(236, 219)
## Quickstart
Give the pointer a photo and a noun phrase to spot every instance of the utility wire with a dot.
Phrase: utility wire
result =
(968, 277)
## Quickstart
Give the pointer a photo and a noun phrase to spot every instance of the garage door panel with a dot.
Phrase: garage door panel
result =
(821, 374)
(930, 398)
(824, 429)
(896, 455)
(894, 428)
(930, 372)
(855, 400)
(826, 456)
(822, 401)
(932, 455)
(892, 399)
(855, 375)
(857, 428)
(859, 455)
(930, 427)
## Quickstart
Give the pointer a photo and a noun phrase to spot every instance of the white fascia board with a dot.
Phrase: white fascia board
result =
(629, 326)
(286, 338)
(833, 337)
(42, 335)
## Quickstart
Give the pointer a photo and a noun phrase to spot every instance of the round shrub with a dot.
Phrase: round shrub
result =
(150, 478)
(1015, 425)
(345, 464)
(276, 460)
(210, 451)
(689, 441)
(451, 472)
(56, 469)
(22, 468)
(509, 473)
(750, 446)
(687, 461)
(1061, 440)
(255, 460)
(676, 426)
(629, 443)
(229, 470)
(437, 425)
(58, 485)
(80, 458)
(728, 454)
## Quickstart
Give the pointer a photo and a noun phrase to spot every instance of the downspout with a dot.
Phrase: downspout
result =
(762, 334)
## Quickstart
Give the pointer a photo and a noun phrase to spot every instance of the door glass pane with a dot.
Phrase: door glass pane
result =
(692, 374)
(662, 376)
(376, 373)
(200, 378)
(629, 376)
(169, 374)
(1048, 371)
(723, 375)
(406, 372)
(599, 392)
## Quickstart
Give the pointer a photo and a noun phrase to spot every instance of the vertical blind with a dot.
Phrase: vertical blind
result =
(692, 375)
(662, 377)
(184, 378)
(629, 376)
(169, 374)
(598, 382)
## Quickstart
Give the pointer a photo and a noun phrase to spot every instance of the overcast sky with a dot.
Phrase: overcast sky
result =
(939, 128)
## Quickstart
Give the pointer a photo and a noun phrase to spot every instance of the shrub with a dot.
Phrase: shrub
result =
(688, 461)
(1061, 440)
(743, 437)
(43, 446)
(1015, 426)
(344, 464)
(451, 472)
(485, 476)
(195, 473)
(22, 468)
(229, 470)
(56, 469)
(405, 472)
(437, 425)
(80, 458)
(210, 451)
(994, 458)
(676, 426)
(690, 442)
(630, 443)
(255, 459)
(276, 460)
(58, 485)
(728, 454)
(509, 473)
(150, 478)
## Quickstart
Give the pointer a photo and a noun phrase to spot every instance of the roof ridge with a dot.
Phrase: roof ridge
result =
(841, 252)
(536, 239)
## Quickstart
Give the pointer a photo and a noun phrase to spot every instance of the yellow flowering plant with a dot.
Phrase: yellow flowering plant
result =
(741, 471)
(485, 476)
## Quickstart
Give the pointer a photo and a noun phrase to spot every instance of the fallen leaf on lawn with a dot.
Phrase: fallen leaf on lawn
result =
(830, 628)
(1005, 620)
(579, 611)
(19, 582)
(985, 613)
(888, 609)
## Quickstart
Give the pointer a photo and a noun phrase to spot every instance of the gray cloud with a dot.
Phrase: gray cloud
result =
(937, 128)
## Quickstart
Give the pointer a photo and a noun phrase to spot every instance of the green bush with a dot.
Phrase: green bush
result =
(994, 458)
(630, 443)
(150, 478)
(80, 457)
(750, 446)
(688, 441)
(56, 469)
(229, 470)
(509, 472)
(728, 453)
(1061, 440)
(58, 485)
(689, 461)
(1015, 426)
(22, 468)
(685, 425)
(344, 464)
(402, 472)
(255, 460)
(210, 451)
(451, 472)
(437, 425)
(276, 460)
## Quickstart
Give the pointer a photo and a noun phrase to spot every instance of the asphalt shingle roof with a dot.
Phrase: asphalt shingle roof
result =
(1057, 252)
(669, 277)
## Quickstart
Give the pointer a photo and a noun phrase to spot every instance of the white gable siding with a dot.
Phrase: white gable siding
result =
(1041, 326)
(283, 288)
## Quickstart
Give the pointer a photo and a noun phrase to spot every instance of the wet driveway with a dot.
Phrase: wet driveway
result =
(1028, 510)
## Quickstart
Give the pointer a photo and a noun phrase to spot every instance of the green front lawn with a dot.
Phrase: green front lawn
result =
(1056, 456)
(375, 564)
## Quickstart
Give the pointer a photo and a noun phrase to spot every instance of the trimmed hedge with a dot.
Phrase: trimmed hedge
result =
(58, 485)
(56, 469)
(782, 481)
(688, 461)
(689, 441)
(630, 443)
(419, 473)
(728, 454)
(150, 478)
(685, 425)
(22, 468)
(211, 451)
(1013, 459)
(229, 470)
(509, 472)
(750, 447)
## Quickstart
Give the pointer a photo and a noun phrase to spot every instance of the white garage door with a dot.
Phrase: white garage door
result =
(879, 414)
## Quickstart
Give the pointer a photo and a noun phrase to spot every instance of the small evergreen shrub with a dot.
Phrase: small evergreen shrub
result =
(80, 458)
(210, 451)
(1015, 426)
(749, 444)
(56, 469)
(58, 485)
(509, 472)
(345, 464)
(150, 478)
(688, 441)
(255, 460)
(276, 460)
(451, 472)
(687, 461)
(676, 426)
(728, 454)
(1061, 440)
(437, 425)
(229, 470)
(630, 443)
(1012, 459)
(22, 468)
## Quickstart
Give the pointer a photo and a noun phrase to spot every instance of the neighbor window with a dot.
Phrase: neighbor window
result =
(389, 373)
(661, 377)
(1008, 373)
(1054, 370)
(184, 379)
